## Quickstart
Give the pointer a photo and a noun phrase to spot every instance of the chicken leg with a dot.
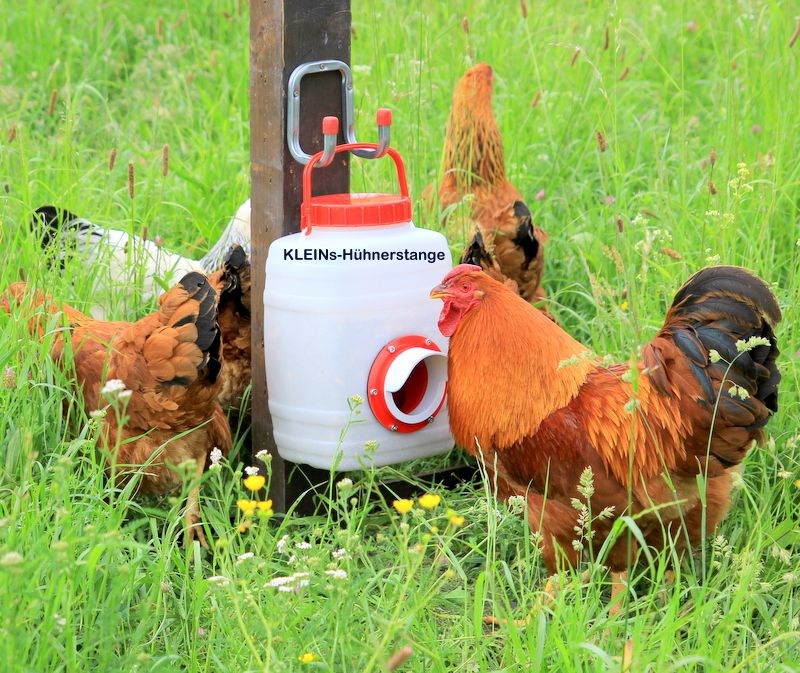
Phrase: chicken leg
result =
(619, 582)
(194, 524)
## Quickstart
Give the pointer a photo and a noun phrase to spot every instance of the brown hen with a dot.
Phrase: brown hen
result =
(526, 395)
(506, 244)
(170, 361)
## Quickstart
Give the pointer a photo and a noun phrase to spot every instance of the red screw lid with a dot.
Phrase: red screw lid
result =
(355, 210)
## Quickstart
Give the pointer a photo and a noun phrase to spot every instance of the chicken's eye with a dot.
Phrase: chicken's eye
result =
(465, 286)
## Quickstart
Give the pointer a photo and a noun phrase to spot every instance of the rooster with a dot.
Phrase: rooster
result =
(528, 397)
(505, 244)
(113, 252)
(169, 361)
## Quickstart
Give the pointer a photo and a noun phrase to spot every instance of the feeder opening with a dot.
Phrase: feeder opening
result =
(408, 383)
(411, 393)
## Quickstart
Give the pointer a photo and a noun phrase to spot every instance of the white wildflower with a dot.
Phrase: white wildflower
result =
(251, 471)
(337, 574)
(280, 581)
(517, 504)
(215, 456)
(59, 620)
(303, 545)
(714, 356)
(751, 343)
(220, 580)
(112, 386)
(264, 455)
(243, 557)
(340, 554)
(344, 484)
(125, 395)
(281, 546)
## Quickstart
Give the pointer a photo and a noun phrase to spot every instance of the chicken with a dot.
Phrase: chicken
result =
(120, 257)
(505, 244)
(170, 361)
(232, 284)
(540, 410)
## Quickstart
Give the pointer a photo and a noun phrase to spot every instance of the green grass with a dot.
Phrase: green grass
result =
(91, 580)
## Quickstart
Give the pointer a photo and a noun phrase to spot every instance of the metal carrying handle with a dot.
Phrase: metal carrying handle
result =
(348, 114)
(315, 162)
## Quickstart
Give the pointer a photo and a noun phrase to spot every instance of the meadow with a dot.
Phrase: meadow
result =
(649, 140)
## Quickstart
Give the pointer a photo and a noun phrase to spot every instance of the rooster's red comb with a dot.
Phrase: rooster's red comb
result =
(461, 268)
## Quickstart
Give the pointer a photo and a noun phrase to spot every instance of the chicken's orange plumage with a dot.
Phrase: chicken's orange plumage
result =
(170, 361)
(529, 398)
(505, 244)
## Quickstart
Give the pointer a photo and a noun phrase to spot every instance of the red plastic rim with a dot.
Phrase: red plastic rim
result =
(354, 210)
(407, 398)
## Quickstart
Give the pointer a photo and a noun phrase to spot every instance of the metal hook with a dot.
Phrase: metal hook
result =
(330, 130)
(384, 118)
(348, 113)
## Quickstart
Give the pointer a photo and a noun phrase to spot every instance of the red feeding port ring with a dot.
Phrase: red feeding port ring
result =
(407, 383)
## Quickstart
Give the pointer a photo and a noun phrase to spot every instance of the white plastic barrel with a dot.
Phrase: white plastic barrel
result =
(347, 313)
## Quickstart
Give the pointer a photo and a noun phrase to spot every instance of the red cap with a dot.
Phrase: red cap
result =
(384, 116)
(330, 126)
(355, 210)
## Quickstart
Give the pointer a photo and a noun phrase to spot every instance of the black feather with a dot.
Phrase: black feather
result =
(235, 267)
(525, 237)
(730, 281)
(208, 340)
(476, 253)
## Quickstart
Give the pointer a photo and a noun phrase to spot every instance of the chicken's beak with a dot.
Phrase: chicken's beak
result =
(439, 293)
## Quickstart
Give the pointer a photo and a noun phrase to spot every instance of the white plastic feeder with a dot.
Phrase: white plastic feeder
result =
(347, 313)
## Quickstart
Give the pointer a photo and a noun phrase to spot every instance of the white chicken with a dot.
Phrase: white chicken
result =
(122, 264)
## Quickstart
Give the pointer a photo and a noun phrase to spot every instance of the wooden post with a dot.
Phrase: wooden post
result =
(283, 35)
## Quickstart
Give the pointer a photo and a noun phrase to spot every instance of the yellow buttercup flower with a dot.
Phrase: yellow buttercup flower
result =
(403, 505)
(242, 528)
(455, 519)
(429, 500)
(247, 506)
(254, 482)
(264, 506)
(307, 658)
